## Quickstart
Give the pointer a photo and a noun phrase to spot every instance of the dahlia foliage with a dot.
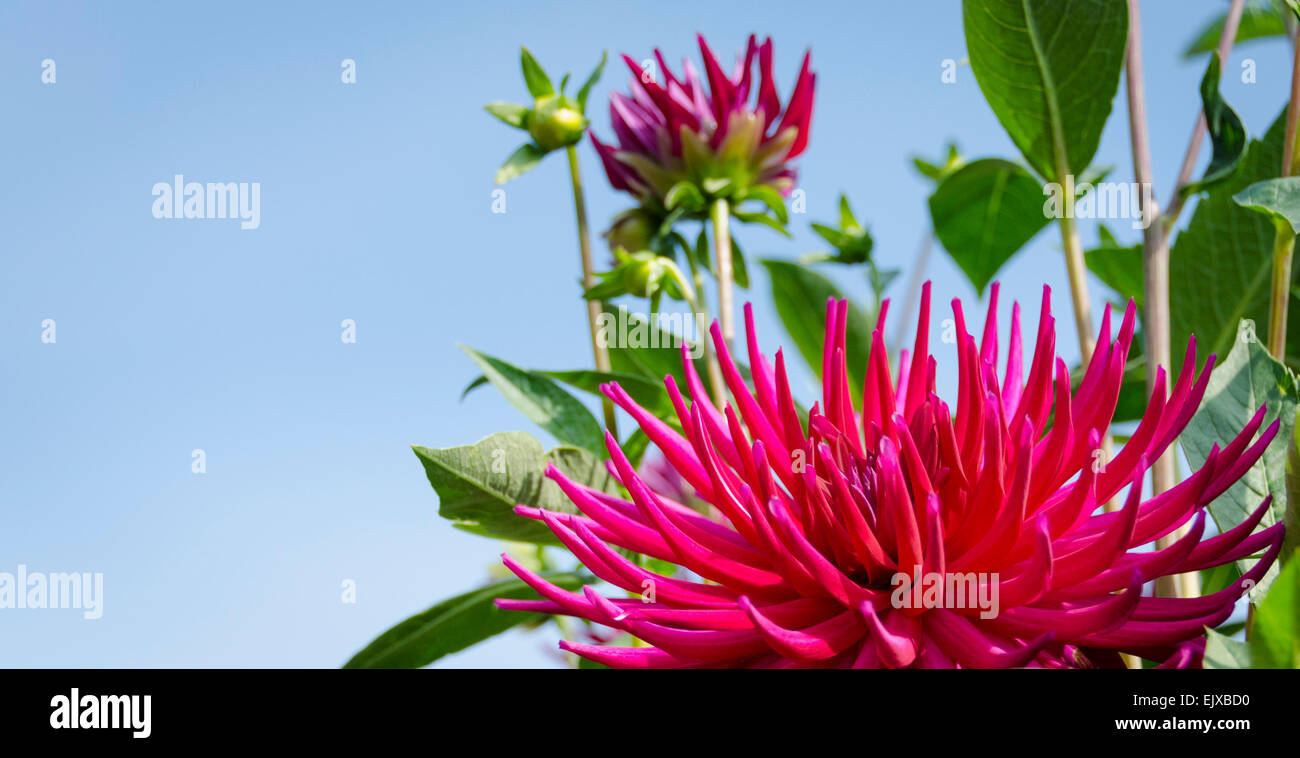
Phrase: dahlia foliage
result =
(832, 542)
(723, 141)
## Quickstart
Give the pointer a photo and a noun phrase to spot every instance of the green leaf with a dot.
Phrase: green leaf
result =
(451, 626)
(716, 185)
(539, 84)
(479, 485)
(645, 349)
(760, 218)
(635, 445)
(848, 222)
(937, 170)
(1223, 652)
(800, 295)
(591, 82)
(1291, 542)
(1275, 638)
(474, 384)
(984, 212)
(648, 393)
(881, 279)
(739, 271)
(834, 237)
(1118, 266)
(1243, 382)
(1258, 21)
(1024, 53)
(524, 159)
(852, 243)
(543, 402)
(511, 113)
(610, 286)
(926, 168)
(1133, 396)
(1218, 578)
(684, 195)
(1221, 265)
(1279, 199)
(1230, 629)
(1227, 133)
(772, 199)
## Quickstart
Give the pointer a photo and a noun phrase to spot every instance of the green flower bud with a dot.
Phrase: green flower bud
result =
(631, 230)
(640, 272)
(556, 121)
(639, 278)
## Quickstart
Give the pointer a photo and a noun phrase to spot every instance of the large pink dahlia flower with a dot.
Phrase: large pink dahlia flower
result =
(725, 140)
(816, 526)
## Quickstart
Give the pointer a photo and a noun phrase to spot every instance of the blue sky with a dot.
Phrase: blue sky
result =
(376, 206)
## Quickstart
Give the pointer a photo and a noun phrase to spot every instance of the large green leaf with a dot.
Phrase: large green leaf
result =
(645, 349)
(1275, 639)
(1220, 265)
(1278, 199)
(1258, 20)
(1118, 266)
(984, 212)
(1050, 70)
(451, 626)
(1223, 652)
(648, 393)
(800, 295)
(479, 485)
(1243, 382)
(543, 402)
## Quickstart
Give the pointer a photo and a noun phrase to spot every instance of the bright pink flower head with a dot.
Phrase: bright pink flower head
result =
(724, 141)
(878, 537)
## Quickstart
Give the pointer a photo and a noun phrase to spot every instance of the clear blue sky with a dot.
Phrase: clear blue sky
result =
(375, 206)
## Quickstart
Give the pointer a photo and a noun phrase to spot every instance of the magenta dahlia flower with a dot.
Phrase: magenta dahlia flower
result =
(875, 537)
(723, 142)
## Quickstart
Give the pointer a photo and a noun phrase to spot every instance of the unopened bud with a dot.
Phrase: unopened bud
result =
(555, 122)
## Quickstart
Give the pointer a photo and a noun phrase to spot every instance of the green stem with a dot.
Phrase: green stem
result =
(1284, 240)
(594, 307)
(1280, 292)
(720, 215)
(1078, 273)
(700, 307)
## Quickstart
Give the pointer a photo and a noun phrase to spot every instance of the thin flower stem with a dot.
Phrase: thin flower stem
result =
(1280, 293)
(1155, 280)
(1078, 273)
(1290, 156)
(1284, 241)
(720, 214)
(594, 307)
(700, 307)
